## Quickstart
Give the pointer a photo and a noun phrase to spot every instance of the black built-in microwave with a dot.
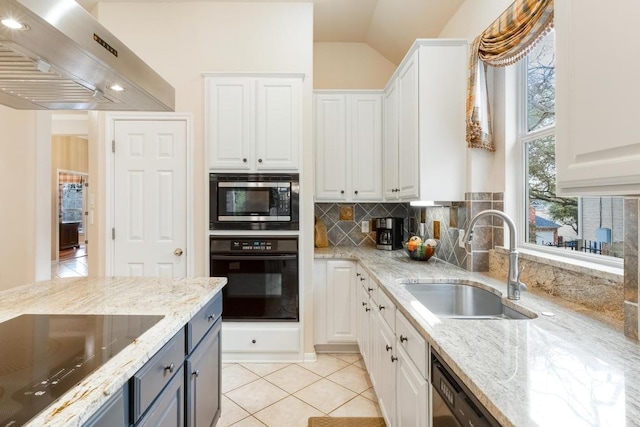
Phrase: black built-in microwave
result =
(254, 201)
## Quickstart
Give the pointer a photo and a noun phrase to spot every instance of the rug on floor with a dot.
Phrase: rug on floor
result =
(346, 422)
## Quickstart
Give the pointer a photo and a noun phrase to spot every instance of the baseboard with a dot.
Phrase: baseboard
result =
(337, 348)
(310, 357)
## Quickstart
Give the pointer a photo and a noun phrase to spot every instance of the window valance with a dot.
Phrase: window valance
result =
(507, 40)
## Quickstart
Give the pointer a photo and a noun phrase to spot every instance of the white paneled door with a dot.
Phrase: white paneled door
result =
(150, 198)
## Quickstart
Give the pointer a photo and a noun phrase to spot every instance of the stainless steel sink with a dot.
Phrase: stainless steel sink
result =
(462, 301)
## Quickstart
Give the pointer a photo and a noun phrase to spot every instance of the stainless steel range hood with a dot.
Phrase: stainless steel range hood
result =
(63, 59)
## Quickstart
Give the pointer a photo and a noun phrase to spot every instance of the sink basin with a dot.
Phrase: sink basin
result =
(461, 301)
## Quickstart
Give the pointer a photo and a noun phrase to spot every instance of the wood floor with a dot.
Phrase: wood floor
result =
(73, 263)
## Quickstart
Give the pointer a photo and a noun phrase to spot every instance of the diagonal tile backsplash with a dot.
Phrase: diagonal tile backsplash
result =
(345, 230)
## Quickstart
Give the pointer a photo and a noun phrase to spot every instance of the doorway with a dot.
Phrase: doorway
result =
(71, 208)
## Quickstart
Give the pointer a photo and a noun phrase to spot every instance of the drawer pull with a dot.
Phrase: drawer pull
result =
(403, 338)
(195, 373)
(170, 368)
(393, 358)
(388, 347)
(253, 341)
(381, 307)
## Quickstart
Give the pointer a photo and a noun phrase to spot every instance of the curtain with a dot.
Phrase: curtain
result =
(505, 42)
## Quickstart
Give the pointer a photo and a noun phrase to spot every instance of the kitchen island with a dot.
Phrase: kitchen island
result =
(177, 300)
(561, 368)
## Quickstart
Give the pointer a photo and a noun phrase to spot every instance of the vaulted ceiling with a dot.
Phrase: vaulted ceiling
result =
(388, 26)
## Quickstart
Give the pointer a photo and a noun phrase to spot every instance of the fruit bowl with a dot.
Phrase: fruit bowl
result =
(420, 252)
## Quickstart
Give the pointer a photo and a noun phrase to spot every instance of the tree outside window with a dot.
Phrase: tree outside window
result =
(586, 224)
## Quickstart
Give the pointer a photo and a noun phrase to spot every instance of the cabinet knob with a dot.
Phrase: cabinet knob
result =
(358, 274)
(170, 368)
(369, 289)
(178, 252)
(195, 373)
(381, 307)
(341, 191)
(259, 160)
(367, 309)
(388, 347)
(210, 317)
(253, 341)
(364, 303)
(244, 160)
(403, 338)
(393, 358)
(356, 192)
(362, 279)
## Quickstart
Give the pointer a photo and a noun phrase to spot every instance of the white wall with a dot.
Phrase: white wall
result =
(349, 66)
(181, 40)
(485, 169)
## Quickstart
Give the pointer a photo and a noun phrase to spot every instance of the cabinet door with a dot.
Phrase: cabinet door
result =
(168, 409)
(384, 368)
(408, 134)
(203, 380)
(391, 149)
(279, 123)
(331, 147)
(114, 413)
(228, 123)
(597, 144)
(363, 320)
(365, 138)
(341, 302)
(412, 393)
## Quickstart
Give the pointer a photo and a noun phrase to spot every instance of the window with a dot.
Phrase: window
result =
(591, 225)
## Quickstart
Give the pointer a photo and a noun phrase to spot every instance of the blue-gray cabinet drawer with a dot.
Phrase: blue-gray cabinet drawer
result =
(149, 381)
(200, 324)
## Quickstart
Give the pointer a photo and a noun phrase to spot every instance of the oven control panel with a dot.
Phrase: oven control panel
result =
(252, 245)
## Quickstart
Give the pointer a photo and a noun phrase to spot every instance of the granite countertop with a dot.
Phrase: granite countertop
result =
(178, 300)
(568, 369)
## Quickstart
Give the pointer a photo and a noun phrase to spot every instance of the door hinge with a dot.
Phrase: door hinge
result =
(86, 183)
(113, 146)
(113, 234)
(86, 242)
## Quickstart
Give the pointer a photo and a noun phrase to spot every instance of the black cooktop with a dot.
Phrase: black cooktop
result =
(42, 356)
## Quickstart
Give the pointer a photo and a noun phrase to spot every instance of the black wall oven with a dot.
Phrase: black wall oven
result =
(253, 201)
(262, 277)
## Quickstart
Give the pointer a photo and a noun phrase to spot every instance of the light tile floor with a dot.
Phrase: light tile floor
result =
(73, 263)
(287, 394)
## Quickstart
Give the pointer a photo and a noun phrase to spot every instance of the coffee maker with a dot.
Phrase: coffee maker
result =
(389, 233)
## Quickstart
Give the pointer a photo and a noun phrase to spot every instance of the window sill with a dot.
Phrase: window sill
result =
(609, 272)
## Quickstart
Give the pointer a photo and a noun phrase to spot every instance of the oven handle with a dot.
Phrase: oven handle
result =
(254, 257)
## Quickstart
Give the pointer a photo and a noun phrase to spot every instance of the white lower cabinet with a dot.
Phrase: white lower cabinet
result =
(335, 294)
(396, 357)
(384, 368)
(412, 393)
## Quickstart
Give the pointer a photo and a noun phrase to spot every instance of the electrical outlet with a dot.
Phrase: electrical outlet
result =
(364, 226)
(461, 238)
(436, 230)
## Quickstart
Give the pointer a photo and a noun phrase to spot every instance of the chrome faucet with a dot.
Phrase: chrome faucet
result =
(513, 282)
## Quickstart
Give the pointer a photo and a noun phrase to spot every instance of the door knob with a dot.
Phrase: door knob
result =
(178, 252)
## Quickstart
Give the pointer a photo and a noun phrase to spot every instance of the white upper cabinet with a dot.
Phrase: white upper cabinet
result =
(253, 123)
(391, 149)
(425, 100)
(331, 146)
(597, 138)
(348, 139)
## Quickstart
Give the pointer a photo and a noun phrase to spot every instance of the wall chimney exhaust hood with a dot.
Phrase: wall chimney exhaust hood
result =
(54, 55)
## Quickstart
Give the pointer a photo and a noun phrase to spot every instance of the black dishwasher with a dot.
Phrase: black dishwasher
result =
(453, 404)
